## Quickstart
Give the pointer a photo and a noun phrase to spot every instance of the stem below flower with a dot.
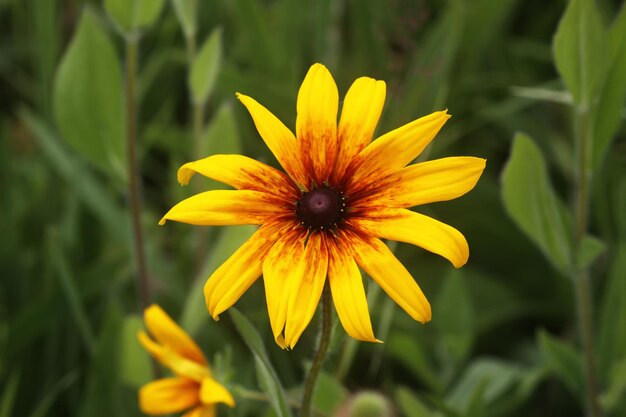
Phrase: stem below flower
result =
(134, 186)
(581, 274)
(320, 354)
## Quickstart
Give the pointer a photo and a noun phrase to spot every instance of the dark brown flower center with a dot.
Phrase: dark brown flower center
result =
(320, 208)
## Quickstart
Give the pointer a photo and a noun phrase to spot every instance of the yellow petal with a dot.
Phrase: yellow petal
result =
(294, 276)
(348, 293)
(420, 230)
(316, 122)
(395, 149)
(277, 269)
(201, 411)
(380, 263)
(278, 139)
(212, 392)
(178, 364)
(228, 283)
(168, 395)
(169, 334)
(226, 207)
(304, 298)
(427, 182)
(361, 111)
(239, 172)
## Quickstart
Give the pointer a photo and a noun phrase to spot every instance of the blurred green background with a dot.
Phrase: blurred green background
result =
(504, 337)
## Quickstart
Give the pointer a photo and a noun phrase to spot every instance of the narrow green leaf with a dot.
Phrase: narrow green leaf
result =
(71, 293)
(564, 362)
(456, 325)
(133, 15)
(135, 367)
(205, 68)
(531, 202)
(88, 97)
(612, 315)
(269, 377)
(614, 399)
(9, 392)
(46, 402)
(579, 50)
(590, 249)
(90, 191)
(186, 11)
(195, 314)
(410, 352)
(607, 113)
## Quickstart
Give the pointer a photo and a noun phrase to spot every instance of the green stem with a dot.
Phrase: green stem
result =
(581, 274)
(320, 355)
(134, 179)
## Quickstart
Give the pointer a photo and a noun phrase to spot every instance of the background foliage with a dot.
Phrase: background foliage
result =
(503, 340)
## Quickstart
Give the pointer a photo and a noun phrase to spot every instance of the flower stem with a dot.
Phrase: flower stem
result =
(134, 180)
(581, 273)
(320, 355)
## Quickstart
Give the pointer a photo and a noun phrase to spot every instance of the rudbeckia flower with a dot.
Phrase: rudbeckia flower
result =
(341, 194)
(193, 389)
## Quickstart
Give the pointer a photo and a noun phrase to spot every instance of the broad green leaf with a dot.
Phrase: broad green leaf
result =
(329, 394)
(590, 249)
(455, 316)
(484, 381)
(564, 362)
(135, 366)
(88, 97)
(269, 379)
(580, 50)
(410, 352)
(206, 66)
(195, 313)
(410, 405)
(222, 134)
(134, 15)
(607, 113)
(186, 11)
(531, 202)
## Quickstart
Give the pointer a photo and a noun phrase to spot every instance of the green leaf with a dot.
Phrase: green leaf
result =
(579, 50)
(329, 394)
(612, 315)
(195, 314)
(563, 361)
(607, 113)
(267, 375)
(206, 66)
(531, 202)
(88, 97)
(9, 393)
(186, 11)
(135, 366)
(590, 249)
(90, 191)
(614, 399)
(484, 381)
(410, 405)
(456, 324)
(222, 135)
(133, 15)
(410, 352)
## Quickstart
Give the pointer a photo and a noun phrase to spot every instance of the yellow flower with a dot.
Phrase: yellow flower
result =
(326, 217)
(193, 388)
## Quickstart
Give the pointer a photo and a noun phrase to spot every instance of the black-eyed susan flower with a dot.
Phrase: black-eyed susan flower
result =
(325, 217)
(193, 389)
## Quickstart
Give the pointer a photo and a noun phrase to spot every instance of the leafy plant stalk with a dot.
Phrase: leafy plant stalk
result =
(320, 354)
(581, 274)
(134, 186)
